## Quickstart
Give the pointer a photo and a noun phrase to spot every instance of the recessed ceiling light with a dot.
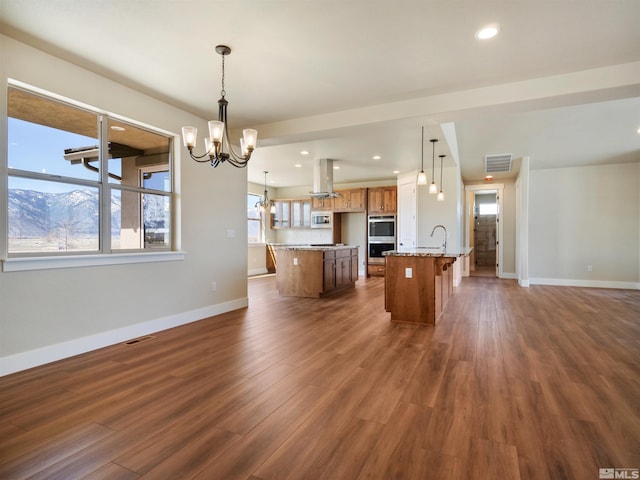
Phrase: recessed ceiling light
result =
(488, 178)
(117, 128)
(638, 130)
(304, 152)
(336, 167)
(488, 32)
(396, 171)
(376, 157)
(298, 165)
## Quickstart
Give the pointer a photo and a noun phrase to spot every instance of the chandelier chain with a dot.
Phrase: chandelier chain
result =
(223, 92)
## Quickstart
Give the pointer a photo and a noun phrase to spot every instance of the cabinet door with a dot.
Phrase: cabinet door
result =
(343, 271)
(358, 200)
(341, 202)
(321, 203)
(390, 199)
(354, 266)
(375, 200)
(300, 213)
(329, 275)
(281, 217)
(383, 199)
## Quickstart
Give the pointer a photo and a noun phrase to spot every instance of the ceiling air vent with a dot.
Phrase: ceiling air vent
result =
(497, 163)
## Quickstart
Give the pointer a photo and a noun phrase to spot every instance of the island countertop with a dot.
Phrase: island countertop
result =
(314, 246)
(427, 252)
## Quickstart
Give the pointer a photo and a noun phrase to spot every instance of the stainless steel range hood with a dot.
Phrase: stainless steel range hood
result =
(323, 179)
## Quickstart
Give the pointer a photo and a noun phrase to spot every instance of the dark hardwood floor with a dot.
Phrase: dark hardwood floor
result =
(513, 383)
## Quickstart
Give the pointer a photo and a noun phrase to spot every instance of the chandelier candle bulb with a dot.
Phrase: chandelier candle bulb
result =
(189, 136)
(216, 131)
(250, 138)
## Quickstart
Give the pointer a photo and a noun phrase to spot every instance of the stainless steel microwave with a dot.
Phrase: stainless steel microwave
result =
(321, 219)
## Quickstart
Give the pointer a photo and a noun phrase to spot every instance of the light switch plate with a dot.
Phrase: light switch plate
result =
(408, 273)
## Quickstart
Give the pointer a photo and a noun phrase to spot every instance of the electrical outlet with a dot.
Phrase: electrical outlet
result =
(231, 233)
(295, 261)
(408, 272)
(589, 268)
(214, 286)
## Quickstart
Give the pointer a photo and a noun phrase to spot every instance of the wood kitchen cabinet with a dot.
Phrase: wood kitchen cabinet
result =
(301, 213)
(315, 271)
(321, 203)
(383, 199)
(291, 214)
(281, 218)
(353, 200)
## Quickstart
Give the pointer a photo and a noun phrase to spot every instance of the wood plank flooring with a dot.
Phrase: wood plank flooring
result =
(512, 383)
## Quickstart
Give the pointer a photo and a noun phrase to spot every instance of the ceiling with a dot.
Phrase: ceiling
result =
(350, 79)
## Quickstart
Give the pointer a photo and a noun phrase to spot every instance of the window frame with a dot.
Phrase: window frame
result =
(259, 218)
(105, 255)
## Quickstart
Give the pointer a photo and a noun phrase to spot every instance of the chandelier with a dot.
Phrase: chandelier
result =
(219, 134)
(265, 203)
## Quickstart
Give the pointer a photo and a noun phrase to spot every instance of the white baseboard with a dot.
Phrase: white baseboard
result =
(51, 353)
(510, 276)
(523, 283)
(565, 282)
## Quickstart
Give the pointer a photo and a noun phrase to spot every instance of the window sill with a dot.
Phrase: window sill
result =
(72, 261)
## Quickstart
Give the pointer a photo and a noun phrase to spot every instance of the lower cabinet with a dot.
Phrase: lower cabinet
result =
(315, 272)
(376, 269)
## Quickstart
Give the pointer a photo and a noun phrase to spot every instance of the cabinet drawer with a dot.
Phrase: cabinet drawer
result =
(329, 254)
(376, 270)
(343, 253)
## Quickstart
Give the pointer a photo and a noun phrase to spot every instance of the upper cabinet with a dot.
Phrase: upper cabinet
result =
(281, 218)
(301, 213)
(383, 199)
(354, 200)
(294, 213)
(321, 203)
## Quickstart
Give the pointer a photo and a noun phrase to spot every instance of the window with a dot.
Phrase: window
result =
(488, 209)
(84, 182)
(254, 227)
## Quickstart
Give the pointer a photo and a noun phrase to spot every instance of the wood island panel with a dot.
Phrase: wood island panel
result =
(306, 272)
(421, 298)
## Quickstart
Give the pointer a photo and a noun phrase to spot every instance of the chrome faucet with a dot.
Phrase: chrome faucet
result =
(444, 245)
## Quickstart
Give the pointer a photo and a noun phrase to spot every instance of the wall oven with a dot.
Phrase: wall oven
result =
(381, 236)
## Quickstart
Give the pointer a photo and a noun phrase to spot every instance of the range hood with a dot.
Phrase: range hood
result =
(323, 179)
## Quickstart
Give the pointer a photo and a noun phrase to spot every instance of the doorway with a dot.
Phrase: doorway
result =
(485, 240)
(483, 212)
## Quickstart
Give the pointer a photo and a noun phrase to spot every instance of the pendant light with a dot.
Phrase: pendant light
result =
(422, 177)
(433, 188)
(440, 194)
(265, 202)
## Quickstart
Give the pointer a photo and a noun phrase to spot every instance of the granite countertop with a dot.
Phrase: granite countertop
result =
(314, 246)
(427, 252)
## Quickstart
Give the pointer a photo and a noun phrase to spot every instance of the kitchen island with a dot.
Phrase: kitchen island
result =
(418, 284)
(315, 270)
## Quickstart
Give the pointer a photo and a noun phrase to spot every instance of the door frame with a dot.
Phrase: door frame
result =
(499, 188)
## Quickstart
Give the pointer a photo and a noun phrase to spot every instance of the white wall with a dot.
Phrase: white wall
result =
(431, 212)
(585, 216)
(49, 314)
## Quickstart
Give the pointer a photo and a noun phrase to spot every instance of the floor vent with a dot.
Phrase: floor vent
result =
(497, 163)
(138, 340)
